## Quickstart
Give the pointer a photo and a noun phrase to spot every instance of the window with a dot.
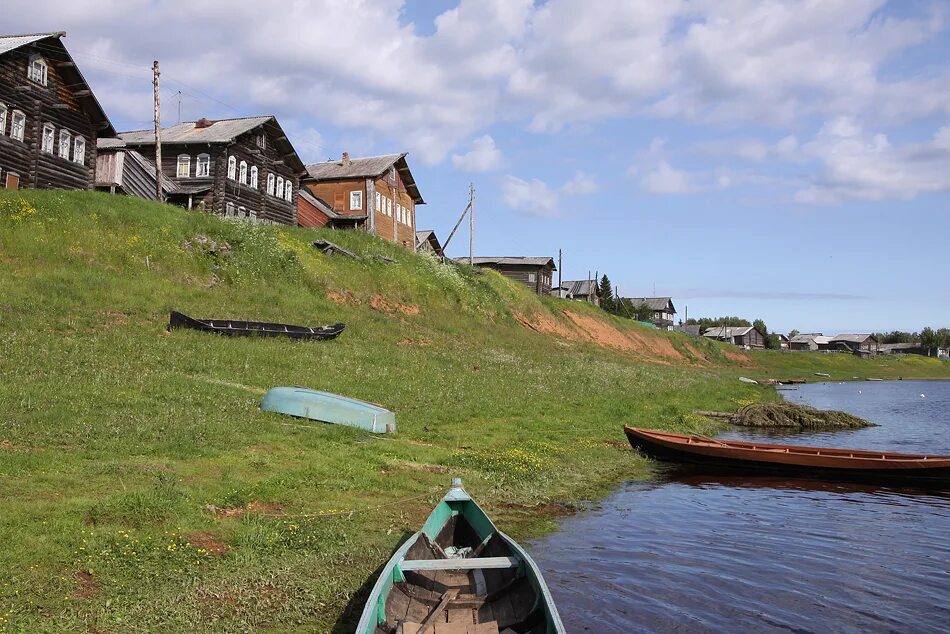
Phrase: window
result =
(378, 199)
(48, 135)
(254, 176)
(17, 125)
(262, 141)
(232, 167)
(244, 172)
(389, 208)
(203, 166)
(229, 210)
(79, 150)
(270, 184)
(531, 277)
(252, 214)
(242, 212)
(36, 71)
(356, 200)
(409, 216)
(184, 166)
(288, 191)
(280, 186)
(65, 143)
(3, 119)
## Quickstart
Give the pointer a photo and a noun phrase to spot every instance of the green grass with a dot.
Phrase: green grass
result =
(118, 439)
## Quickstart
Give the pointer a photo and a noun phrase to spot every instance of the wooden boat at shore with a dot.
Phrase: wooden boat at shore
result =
(460, 575)
(327, 407)
(795, 459)
(235, 328)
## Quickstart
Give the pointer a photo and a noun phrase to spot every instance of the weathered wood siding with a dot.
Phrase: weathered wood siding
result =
(53, 104)
(523, 273)
(753, 339)
(224, 190)
(309, 215)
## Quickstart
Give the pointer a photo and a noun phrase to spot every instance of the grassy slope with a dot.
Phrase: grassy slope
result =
(117, 436)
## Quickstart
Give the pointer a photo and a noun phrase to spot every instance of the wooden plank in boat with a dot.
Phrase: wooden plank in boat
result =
(459, 564)
(455, 628)
(504, 612)
(459, 615)
(399, 605)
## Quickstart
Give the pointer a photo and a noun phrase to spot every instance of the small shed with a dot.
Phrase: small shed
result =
(747, 337)
(428, 241)
(578, 290)
(533, 272)
(860, 344)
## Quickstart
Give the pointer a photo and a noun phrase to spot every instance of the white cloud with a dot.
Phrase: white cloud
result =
(856, 165)
(483, 157)
(533, 197)
(665, 179)
(361, 67)
(581, 184)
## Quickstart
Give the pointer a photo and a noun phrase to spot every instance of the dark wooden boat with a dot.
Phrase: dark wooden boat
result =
(236, 328)
(460, 575)
(796, 459)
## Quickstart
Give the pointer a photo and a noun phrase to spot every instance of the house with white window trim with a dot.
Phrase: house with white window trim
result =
(242, 168)
(49, 117)
(376, 193)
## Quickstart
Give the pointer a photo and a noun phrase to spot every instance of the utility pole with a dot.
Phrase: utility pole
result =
(471, 224)
(158, 133)
(559, 272)
(392, 186)
(179, 107)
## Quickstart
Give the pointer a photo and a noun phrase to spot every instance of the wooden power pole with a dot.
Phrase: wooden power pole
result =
(471, 224)
(158, 133)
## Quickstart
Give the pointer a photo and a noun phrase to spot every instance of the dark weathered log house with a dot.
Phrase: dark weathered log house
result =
(378, 194)
(239, 168)
(535, 273)
(49, 118)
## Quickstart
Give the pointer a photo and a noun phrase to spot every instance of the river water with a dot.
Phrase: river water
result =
(688, 552)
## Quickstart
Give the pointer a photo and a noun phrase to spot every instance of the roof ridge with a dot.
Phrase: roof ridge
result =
(360, 158)
(46, 33)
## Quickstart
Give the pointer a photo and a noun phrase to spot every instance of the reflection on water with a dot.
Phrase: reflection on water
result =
(694, 552)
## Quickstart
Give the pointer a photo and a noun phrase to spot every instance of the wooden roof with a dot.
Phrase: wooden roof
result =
(218, 131)
(513, 260)
(367, 167)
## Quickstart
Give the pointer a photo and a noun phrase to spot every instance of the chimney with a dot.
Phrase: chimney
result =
(346, 158)
(203, 123)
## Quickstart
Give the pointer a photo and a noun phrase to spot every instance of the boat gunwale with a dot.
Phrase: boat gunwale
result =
(760, 452)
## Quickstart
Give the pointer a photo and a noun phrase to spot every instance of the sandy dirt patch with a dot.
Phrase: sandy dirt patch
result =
(204, 540)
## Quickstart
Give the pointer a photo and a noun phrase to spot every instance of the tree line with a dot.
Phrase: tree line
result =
(928, 338)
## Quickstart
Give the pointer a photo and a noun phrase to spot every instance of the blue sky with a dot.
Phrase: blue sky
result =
(782, 160)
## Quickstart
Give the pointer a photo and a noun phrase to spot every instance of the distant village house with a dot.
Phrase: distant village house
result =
(747, 337)
(428, 242)
(578, 290)
(49, 117)
(661, 310)
(238, 168)
(377, 193)
(535, 273)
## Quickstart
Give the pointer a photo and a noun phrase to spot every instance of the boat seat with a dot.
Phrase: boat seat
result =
(477, 563)
(491, 627)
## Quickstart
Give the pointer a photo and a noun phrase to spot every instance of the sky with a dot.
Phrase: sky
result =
(783, 160)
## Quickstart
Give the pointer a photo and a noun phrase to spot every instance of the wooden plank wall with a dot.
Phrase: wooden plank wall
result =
(53, 104)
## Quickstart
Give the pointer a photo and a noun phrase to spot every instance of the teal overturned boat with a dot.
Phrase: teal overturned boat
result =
(460, 575)
(329, 408)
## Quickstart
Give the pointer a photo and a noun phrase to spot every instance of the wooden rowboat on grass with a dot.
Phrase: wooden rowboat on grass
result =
(460, 575)
(795, 459)
(235, 328)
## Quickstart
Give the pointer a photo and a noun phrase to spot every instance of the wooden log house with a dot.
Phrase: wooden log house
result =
(238, 168)
(535, 273)
(662, 311)
(747, 337)
(49, 117)
(377, 193)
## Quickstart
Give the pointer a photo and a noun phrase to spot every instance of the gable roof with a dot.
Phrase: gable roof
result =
(729, 332)
(580, 287)
(217, 131)
(853, 338)
(55, 50)
(654, 303)
(691, 329)
(367, 167)
(529, 261)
